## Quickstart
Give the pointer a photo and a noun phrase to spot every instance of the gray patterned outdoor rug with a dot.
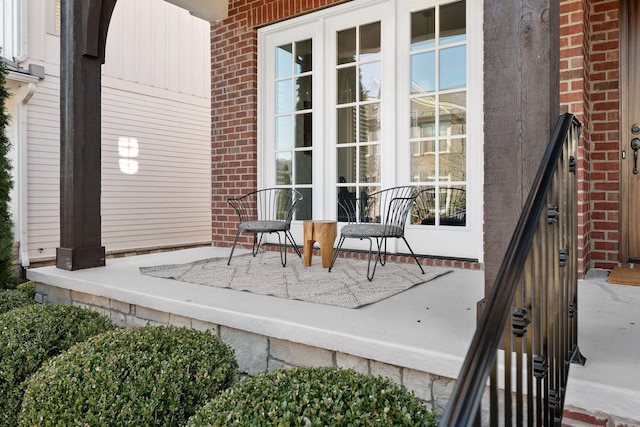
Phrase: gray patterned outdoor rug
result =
(345, 286)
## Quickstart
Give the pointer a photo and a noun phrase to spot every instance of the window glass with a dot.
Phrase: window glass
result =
(438, 115)
(346, 46)
(359, 85)
(453, 26)
(293, 118)
(453, 68)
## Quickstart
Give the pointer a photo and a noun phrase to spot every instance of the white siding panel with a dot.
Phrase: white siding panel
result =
(168, 200)
(156, 89)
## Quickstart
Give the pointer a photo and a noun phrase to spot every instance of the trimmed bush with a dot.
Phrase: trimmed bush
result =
(15, 298)
(31, 335)
(151, 376)
(27, 288)
(314, 397)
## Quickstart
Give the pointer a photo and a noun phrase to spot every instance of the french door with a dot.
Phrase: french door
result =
(374, 94)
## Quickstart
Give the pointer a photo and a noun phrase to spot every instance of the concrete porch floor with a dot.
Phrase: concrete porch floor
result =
(427, 328)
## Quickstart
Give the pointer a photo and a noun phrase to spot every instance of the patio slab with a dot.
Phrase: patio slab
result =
(427, 328)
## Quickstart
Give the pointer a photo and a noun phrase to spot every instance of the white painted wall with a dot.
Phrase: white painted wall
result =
(156, 91)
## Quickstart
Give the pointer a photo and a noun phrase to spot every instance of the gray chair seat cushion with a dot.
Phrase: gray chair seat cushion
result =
(264, 226)
(370, 230)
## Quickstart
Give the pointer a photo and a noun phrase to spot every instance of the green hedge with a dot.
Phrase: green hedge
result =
(314, 397)
(151, 376)
(31, 335)
(15, 298)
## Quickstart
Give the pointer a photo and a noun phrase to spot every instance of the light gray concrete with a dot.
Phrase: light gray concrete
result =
(427, 328)
(609, 337)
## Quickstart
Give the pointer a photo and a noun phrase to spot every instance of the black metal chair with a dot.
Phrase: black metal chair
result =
(379, 215)
(267, 211)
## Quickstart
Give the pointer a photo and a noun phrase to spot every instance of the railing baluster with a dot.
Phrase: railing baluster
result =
(534, 304)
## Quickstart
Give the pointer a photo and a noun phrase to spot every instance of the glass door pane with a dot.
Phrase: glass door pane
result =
(438, 114)
(358, 95)
(293, 121)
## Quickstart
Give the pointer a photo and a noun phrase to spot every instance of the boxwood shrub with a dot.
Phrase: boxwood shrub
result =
(31, 335)
(150, 376)
(314, 397)
(19, 297)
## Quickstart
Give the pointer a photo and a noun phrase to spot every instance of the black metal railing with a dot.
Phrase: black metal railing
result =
(528, 333)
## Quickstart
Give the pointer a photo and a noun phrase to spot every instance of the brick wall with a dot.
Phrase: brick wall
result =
(589, 89)
(589, 74)
(574, 72)
(234, 98)
(603, 101)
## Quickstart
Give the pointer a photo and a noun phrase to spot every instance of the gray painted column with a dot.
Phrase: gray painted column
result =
(82, 45)
(521, 107)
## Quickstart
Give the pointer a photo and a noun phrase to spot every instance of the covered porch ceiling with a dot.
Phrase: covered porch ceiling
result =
(209, 10)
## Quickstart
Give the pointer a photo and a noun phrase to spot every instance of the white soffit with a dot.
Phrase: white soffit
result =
(209, 10)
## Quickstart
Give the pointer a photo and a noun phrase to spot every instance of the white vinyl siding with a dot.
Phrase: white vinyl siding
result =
(156, 89)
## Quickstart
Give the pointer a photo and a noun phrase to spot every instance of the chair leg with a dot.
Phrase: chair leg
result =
(233, 247)
(293, 243)
(413, 255)
(370, 273)
(283, 250)
(256, 244)
(336, 252)
(382, 253)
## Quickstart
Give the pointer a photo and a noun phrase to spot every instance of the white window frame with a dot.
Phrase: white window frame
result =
(394, 15)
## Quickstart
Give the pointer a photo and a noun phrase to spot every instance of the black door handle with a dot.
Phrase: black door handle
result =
(635, 145)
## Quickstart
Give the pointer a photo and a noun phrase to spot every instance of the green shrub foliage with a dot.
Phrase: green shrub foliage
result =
(31, 335)
(15, 298)
(8, 278)
(314, 397)
(151, 376)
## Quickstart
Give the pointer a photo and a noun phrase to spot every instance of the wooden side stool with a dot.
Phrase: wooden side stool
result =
(323, 232)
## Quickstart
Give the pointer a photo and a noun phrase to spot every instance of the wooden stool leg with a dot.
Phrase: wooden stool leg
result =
(325, 234)
(307, 249)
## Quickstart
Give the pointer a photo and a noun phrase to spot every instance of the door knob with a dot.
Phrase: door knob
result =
(635, 145)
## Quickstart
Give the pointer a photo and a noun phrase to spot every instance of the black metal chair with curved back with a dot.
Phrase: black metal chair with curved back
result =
(267, 211)
(379, 215)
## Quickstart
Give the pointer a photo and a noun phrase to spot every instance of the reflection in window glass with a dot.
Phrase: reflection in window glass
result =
(423, 72)
(453, 68)
(347, 85)
(305, 207)
(346, 46)
(439, 114)
(304, 164)
(369, 163)
(370, 41)
(284, 91)
(370, 78)
(453, 113)
(443, 206)
(359, 100)
(346, 125)
(284, 133)
(453, 160)
(304, 131)
(423, 29)
(370, 123)
(303, 56)
(453, 26)
(423, 117)
(283, 60)
(293, 120)
(284, 168)
(303, 93)
(346, 167)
